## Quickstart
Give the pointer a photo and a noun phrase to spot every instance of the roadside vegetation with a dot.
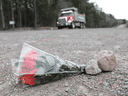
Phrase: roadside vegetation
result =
(41, 13)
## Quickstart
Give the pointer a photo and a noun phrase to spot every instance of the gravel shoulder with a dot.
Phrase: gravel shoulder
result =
(77, 45)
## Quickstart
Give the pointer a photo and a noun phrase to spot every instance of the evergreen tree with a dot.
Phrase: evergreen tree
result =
(45, 13)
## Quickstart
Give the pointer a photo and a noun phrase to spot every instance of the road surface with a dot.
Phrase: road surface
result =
(122, 26)
(77, 45)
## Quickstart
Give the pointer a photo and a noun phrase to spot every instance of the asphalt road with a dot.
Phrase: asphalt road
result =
(77, 45)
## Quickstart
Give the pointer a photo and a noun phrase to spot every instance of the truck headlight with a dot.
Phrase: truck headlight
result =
(69, 21)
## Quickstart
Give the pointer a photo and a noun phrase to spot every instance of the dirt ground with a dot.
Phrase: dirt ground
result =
(77, 45)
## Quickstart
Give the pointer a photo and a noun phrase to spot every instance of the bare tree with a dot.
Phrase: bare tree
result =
(35, 14)
(2, 14)
(12, 14)
(49, 2)
(20, 15)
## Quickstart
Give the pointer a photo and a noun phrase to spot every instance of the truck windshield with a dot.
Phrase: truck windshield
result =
(66, 14)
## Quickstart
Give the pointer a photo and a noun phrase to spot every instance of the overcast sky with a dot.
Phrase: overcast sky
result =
(118, 8)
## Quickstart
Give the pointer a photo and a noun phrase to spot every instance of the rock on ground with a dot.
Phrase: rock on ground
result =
(106, 60)
(92, 67)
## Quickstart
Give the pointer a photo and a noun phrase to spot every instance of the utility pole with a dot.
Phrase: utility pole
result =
(2, 14)
(35, 14)
(12, 16)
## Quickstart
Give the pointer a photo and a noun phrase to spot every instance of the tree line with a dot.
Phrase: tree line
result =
(40, 13)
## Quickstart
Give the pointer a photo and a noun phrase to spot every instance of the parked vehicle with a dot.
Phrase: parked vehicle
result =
(69, 17)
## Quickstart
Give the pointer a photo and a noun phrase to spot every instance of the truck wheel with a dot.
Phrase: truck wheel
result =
(81, 25)
(59, 27)
(73, 25)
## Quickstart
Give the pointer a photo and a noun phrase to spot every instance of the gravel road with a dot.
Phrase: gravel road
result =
(77, 45)
(122, 26)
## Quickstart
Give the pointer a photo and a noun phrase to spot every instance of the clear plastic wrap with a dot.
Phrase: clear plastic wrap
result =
(35, 62)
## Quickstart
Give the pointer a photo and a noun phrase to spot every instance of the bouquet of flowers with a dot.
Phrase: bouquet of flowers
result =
(37, 67)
